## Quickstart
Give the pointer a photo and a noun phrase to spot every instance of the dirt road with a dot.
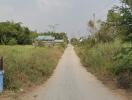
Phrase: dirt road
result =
(71, 81)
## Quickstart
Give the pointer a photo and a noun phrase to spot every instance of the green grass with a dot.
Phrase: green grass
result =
(26, 65)
(100, 60)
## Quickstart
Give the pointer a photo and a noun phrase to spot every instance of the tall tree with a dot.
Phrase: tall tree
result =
(14, 32)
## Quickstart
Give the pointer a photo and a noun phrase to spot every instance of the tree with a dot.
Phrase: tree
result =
(10, 31)
(92, 27)
(128, 2)
(58, 36)
(106, 33)
(74, 41)
(119, 22)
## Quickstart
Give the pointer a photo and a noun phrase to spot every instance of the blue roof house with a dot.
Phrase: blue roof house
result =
(44, 41)
(45, 38)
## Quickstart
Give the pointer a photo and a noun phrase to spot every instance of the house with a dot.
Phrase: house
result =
(44, 41)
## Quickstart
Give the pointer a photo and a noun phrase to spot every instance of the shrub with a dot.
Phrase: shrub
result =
(100, 57)
(111, 60)
(12, 42)
(123, 68)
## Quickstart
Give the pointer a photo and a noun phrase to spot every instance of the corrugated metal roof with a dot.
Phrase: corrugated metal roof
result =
(45, 38)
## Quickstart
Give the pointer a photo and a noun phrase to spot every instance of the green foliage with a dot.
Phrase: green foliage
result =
(123, 66)
(110, 60)
(117, 25)
(99, 59)
(121, 19)
(128, 2)
(63, 45)
(12, 42)
(74, 41)
(124, 59)
(89, 42)
(58, 36)
(26, 65)
(106, 33)
(10, 31)
(108, 52)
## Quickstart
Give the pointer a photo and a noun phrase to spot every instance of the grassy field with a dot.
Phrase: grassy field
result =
(26, 65)
(98, 59)
(107, 62)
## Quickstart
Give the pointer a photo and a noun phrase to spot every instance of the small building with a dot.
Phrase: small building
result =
(59, 41)
(44, 41)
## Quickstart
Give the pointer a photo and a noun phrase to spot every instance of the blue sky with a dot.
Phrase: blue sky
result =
(71, 15)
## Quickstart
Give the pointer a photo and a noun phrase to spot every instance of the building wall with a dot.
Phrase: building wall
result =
(43, 43)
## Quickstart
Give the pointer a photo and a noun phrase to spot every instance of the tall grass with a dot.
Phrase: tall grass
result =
(26, 65)
(100, 60)
(99, 57)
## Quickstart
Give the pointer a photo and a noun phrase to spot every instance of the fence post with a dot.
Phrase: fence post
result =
(1, 74)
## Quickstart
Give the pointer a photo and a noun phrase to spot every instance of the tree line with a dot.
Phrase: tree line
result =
(57, 35)
(117, 25)
(12, 33)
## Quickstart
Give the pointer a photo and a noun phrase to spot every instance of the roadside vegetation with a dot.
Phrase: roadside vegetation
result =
(107, 52)
(26, 65)
(12, 33)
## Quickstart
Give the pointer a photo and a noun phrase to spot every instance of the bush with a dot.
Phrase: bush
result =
(12, 33)
(112, 60)
(123, 68)
(12, 42)
(100, 57)
(74, 41)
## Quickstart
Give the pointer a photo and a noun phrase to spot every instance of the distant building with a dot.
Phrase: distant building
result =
(59, 41)
(44, 41)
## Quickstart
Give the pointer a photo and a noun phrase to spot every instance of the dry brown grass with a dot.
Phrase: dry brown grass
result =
(26, 65)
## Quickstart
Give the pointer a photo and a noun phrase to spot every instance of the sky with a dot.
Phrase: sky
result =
(70, 16)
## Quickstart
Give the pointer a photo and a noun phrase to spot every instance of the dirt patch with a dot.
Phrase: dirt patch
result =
(123, 92)
(112, 85)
